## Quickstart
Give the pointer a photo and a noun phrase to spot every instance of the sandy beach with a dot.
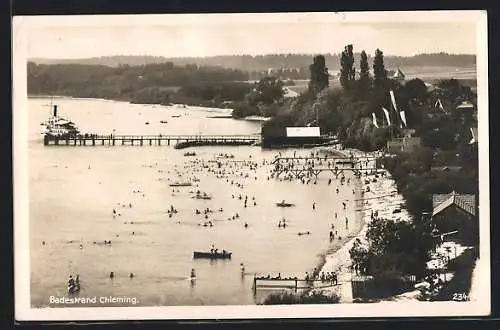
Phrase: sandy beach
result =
(383, 198)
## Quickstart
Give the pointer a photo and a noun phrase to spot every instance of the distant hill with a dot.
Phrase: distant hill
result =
(264, 62)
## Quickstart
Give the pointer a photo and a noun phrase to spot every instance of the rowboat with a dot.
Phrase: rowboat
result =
(180, 184)
(209, 255)
(283, 204)
(200, 195)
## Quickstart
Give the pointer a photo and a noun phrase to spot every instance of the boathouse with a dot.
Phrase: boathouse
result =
(457, 212)
(292, 136)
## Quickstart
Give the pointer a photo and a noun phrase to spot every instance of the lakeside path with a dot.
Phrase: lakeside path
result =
(382, 198)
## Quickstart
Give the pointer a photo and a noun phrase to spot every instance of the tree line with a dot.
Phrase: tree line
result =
(153, 83)
(261, 63)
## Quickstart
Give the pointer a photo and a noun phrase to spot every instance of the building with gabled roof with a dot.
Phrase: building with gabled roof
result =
(398, 75)
(465, 202)
(457, 212)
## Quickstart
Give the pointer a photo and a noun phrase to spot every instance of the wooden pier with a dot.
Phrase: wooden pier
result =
(140, 140)
(301, 166)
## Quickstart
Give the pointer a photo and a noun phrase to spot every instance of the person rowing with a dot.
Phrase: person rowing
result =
(77, 283)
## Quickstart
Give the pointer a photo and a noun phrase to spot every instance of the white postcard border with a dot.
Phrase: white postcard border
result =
(23, 310)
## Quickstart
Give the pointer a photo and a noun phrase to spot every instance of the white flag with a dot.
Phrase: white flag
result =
(473, 140)
(374, 120)
(403, 117)
(387, 116)
(393, 100)
(439, 104)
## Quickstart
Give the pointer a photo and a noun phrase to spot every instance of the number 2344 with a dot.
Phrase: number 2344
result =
(460, 297)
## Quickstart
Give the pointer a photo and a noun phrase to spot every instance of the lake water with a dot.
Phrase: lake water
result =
(74, 189)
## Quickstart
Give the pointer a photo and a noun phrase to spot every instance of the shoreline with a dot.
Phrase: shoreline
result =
(171, 105)
(359, 224)
(339, 261)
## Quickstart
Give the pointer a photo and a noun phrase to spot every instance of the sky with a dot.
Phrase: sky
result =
(402, 34)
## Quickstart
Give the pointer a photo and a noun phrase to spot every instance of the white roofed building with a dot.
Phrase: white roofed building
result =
(294, 136)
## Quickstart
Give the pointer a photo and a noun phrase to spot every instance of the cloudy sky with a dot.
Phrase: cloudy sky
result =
(395, 33)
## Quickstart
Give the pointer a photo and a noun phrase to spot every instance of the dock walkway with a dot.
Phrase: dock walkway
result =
(112, 140)
(289, 283)
(313, 166)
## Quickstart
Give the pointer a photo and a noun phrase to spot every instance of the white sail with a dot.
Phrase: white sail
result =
(387, 116)
(439, 104)
(393, 99)
(403, 118)
(473, 140)
(374, 120)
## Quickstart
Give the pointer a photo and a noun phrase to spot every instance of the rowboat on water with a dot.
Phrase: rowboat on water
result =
(284, 204)
(180, 184)
(200, 195)
(210, 255)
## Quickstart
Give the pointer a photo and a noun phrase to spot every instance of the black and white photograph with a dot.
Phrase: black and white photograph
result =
(273, 165)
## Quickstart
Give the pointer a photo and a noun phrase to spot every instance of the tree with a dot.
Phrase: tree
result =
(393, 249)
(344, 75)
(347, 71)
(414, 91)
(319, 74)
(364, 76)
(350, 58)
(269, 90)
(379, 71)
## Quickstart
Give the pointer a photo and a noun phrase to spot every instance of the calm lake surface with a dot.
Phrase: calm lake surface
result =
(73, 191)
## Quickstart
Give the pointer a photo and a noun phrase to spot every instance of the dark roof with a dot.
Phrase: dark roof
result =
(466, 202)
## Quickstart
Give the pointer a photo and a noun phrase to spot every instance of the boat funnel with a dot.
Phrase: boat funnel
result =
(55, 110)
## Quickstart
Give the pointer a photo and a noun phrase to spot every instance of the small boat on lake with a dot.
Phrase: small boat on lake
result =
(284, 204)
(163, 121)
(147, 123)
(176, 116)
(212, 255)
(202, 196)
(192, 153)
(180, 184)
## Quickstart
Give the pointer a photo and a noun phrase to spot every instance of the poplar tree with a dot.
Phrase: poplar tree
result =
(379, 71)
(364, 74)
(347, 71)
(319, 74)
